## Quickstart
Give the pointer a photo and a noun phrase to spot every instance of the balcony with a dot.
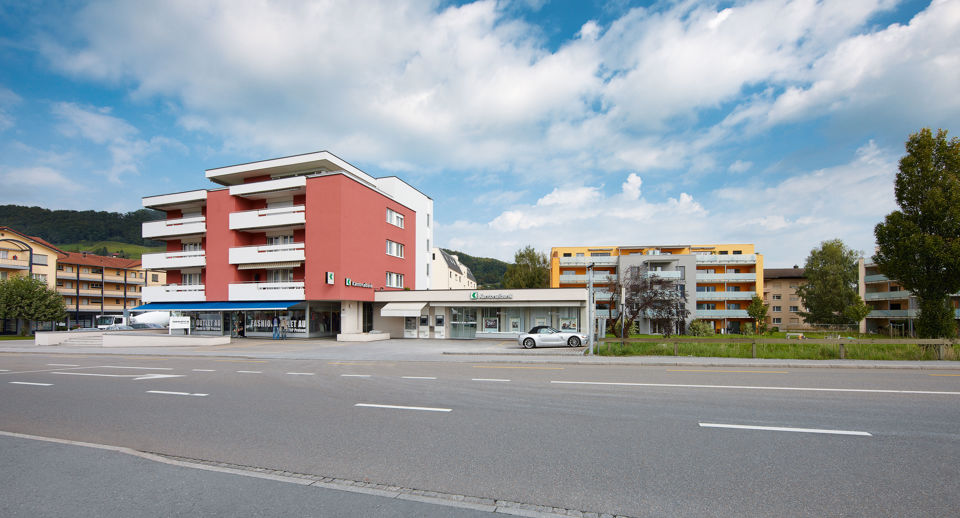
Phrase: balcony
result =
(727, 259)
(867, 279)
(585, 261)
(174, 293)
(190, 199)
(16, 264)
(721, 313)
(726, 277)
(892, 313)
(267, 291)
(295, 216)
(170, 228)
(598, 278)
(174, 260)
(607, 313)
(290, 252)
(887, 295)
(271, 188)
(665, 274)
(725, 295)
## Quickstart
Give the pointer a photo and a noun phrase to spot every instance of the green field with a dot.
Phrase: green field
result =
(132, 251)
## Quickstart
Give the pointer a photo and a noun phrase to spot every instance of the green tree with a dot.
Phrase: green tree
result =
(830, 295)
(530, 269)
(758, 312)
(24, 298)
(919, 245)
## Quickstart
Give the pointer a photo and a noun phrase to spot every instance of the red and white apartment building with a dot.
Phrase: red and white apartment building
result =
(308, 238)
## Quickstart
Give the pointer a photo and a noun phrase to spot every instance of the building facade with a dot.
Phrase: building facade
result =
(308, 239)
(23, 255)
(448, 273)
(93, 285)
(780, 295)
(718, 280)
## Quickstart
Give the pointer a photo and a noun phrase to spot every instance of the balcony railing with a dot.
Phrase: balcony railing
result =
(607, 313)
(267, 291)
(175, 260)
(174, 227)
(266, 218)
(875, 278)
(293, 185)
(725, 295)
(584, 261)
(726, 277)
(887, 295)
(665, 274)
(727, 259)
(721, 313)
(174, 293)
(892, 313)
(267, 253)
(16, 264)
(598, 278)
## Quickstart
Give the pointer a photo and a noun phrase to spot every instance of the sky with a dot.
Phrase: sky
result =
(528, 122)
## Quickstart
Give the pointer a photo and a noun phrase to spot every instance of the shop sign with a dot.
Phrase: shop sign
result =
(329, 277)
(351, 282)
(476, 295)
(179, 323)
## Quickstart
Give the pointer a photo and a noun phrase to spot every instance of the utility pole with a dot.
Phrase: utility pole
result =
(591, 308)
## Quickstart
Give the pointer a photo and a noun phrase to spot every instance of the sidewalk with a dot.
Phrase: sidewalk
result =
(487, 351)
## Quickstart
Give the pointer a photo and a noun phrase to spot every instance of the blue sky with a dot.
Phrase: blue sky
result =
(551, 123)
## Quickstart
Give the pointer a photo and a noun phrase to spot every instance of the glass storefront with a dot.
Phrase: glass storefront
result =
(463, 322)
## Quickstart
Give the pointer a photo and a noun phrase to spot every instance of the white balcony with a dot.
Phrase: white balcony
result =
(169, 228)
(727, 259)
(174, 260)
(665, 274)
(267, 254)
(887, 295)
(725, 295)
(271, 188)
(598, 278)
(585, 261)
(721, 313)
(180, 199)
(295, 216)
(174, 293)
(726, 277)
(267, 291)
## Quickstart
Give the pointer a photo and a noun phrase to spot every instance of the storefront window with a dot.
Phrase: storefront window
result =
(207, 322)
(463, 322)
(491, 320)
(569, 319)
(513, 321)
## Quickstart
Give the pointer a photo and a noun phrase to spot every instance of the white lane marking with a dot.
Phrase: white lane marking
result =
(488, 379)
(301, 373)
(814, 389)
(418, 377)
(174, 393)
(158, 376)
(95, 374)
(354, 375)
(250, 372)
(395, 407)
(4, 370)
(63, 365)
(28, 383)
(784, 429)
(139, 368)
(204, 370)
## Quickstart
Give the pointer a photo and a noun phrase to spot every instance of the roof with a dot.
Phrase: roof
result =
(97, 260)
(451, 262)
(782, 273)
(32, 238)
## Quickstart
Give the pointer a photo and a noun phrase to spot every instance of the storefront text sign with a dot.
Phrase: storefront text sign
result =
(351, 282)
(476, 295)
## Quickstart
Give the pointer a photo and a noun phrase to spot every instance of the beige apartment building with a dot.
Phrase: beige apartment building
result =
(93, 285)
(780, 295)
(448, 273)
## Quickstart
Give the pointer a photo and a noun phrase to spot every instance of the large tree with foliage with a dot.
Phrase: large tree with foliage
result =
(758, 312)
(651, 296)
(530, 269)
(830, 295)
(919, 245)
(24, 298)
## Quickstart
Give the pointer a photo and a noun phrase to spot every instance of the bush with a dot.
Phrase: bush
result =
(700, 328)
(746, 329)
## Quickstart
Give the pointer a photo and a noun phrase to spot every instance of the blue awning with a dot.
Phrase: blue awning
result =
(217, 306)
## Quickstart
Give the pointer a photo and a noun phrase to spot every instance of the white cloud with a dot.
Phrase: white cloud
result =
(631, 187)
(740, 166)
(7, 99)
(42, 186)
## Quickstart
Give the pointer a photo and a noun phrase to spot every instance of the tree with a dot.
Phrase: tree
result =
(758, 312)
(530, 269)
(919, 245)
(650, 296)
(24, 298)
(830, 295)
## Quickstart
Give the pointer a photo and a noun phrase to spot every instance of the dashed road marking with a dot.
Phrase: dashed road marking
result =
(250, 372)
(301, 373)
(717, 370)
(204, 370)
(397, 407)
(489, 379)
(418, 377)
(175, 393)
(63, 365)
(30, 383)
(354, 375)
(784, 429)
(517, 367)
(748, 387)
(138, 368)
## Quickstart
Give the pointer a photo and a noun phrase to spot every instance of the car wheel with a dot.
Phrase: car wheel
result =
(573, 341)
(529, 343)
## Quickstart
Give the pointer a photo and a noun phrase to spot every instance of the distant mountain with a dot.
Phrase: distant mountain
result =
(72, 226)
(488, 271)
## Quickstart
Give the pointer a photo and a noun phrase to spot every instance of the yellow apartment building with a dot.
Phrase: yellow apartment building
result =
(22, 255)
(93, 285)
(719, 280)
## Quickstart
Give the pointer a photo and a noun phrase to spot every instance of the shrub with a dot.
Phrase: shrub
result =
(700, 328)
(746, 329)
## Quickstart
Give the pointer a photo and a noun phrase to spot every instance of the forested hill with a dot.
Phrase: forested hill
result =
(488, 271)
(72, 226)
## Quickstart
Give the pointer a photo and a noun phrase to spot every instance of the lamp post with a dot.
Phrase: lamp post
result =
(591, 308)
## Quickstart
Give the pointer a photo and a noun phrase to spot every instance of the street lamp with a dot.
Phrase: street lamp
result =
(591, 308)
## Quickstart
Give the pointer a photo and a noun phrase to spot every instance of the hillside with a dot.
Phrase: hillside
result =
(125, 250)
(72, 226)
(488, 271)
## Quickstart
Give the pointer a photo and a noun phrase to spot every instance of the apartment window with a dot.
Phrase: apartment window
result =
(793, 285)
(394, 218)
(600, 254)
(733, 306)
(280, 275)
(154, 277)
(428, 269)
(40, 259)
(59, 267)
(59, 284)
(579, 254)
(794, 309)
(777, 308)
(3, 254)
(776, 320)
(394, 249)
(733, 288)
(706, 288)
(894, 305)
(428, 222)
(394, 280)
(894, 288)
(706, 306)
(190, 279)
(428, 245)
(3, 276)
(278, 240)
(95, 285)
(738, 252)
(723, 252)
(776, 297)
(187, 247)
(40, 277)
(567, 254)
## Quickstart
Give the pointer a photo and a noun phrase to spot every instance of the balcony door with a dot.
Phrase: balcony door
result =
(280, 275)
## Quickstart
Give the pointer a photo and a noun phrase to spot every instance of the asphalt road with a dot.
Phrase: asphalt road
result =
(639, 441)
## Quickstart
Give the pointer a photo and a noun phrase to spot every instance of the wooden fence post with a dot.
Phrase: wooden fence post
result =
(754, 347)
(843, 352)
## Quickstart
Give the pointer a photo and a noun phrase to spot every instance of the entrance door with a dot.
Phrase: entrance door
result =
(463, 322)
(409, 327)
(367, 317)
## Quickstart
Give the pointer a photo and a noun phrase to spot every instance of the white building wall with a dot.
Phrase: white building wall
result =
(423, 205)
(443, 278)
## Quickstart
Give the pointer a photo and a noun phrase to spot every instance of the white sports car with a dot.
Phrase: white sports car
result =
(546, 335)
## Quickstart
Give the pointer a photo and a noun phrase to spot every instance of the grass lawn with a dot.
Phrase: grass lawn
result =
(15, 337)
(133, 251)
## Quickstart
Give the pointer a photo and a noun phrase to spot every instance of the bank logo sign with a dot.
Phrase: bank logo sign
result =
(329, 277)
(351, 282)
(476, 295)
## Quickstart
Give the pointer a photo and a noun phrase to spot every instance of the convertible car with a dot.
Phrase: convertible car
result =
(546, 335)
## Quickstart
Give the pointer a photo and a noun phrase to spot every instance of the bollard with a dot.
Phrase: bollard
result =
(754, 348)
(843, 353)
(676, 348)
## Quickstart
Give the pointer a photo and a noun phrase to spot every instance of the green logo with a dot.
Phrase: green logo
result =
(474, 295)
(348, 281)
